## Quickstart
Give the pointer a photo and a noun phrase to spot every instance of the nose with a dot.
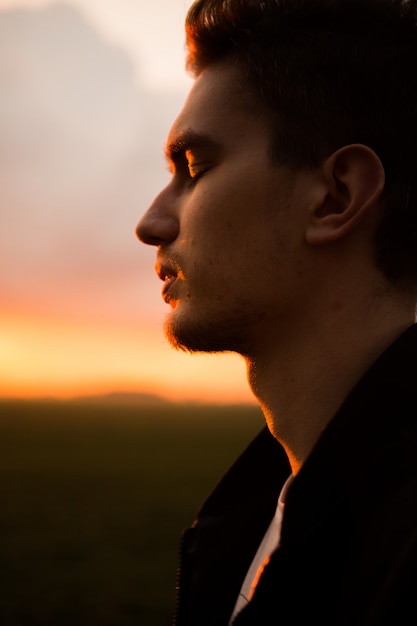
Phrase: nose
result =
(158, 225)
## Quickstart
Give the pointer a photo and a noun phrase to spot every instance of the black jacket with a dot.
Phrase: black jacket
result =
(348, 551)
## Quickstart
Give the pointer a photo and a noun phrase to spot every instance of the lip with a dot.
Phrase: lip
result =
(168, 274)
(168, 282)
(165, 271)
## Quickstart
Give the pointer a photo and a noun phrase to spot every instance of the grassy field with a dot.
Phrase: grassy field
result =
(93, 498)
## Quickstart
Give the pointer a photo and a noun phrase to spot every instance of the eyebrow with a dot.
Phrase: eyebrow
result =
(188, 140)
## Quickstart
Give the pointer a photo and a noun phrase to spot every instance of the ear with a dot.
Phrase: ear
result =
(353, 178)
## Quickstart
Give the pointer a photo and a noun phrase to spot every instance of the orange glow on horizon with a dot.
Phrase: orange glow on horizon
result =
(43, 357)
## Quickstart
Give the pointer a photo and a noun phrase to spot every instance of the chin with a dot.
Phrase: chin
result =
(183, 336)
(208, 335)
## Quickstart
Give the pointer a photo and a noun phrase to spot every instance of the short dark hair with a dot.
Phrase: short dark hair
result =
(331, 73)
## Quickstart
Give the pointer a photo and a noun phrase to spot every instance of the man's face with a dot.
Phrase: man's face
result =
(228, 226)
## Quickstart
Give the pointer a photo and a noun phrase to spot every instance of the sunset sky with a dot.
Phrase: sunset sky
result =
(89, 89)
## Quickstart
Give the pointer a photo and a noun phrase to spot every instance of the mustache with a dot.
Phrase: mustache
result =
(168, 266)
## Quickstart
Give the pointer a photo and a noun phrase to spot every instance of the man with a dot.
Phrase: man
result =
(288, 234)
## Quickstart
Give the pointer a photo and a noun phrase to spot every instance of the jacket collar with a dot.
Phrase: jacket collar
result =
(379, 409)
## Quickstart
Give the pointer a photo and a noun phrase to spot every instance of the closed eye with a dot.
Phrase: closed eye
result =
(184, 168)
(197, 171)
(184, 155)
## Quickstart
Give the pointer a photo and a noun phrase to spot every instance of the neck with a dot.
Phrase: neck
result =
(302, 381)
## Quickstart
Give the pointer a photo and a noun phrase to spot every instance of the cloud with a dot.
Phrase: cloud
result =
(80, 159)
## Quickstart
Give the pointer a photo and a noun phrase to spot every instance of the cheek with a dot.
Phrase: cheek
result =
(230, 225)
(208, 228)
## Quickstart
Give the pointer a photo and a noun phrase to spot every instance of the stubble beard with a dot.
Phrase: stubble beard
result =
(212, 335)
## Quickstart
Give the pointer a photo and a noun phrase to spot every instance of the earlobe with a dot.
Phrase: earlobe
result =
(353, 178)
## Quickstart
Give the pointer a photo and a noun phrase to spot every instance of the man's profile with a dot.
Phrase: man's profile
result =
(288, 234)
